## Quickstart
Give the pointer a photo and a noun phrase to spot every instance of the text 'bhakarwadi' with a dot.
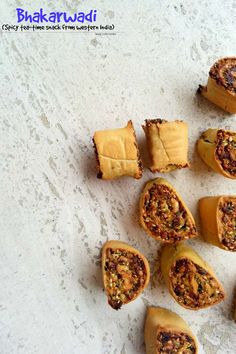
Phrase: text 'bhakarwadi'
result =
(190, 280)
(218, 221)
(117, 153)
(217, 148)
(167, 144)
(166, 332)
(126, 273)
(221, 85)
(163, 213)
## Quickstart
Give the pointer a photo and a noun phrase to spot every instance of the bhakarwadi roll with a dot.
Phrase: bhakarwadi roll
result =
(221, 85)
(163, 213)
(167, 144)
(117, 153)
(218, 221)
(217, 148)
(126, 273)
(166, 332)
(190, 280)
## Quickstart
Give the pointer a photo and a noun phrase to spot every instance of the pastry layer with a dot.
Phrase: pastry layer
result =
(167, 144)
(117, 153)
(163, 214)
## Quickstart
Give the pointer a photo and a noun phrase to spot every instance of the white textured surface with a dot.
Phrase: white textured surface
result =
(56, 89)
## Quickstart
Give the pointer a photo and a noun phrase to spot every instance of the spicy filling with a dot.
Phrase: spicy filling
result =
(227, 218)
(193, 285)
(125, 276)
(224, 72)
(165, 216)
(150, 122)
(175, 342)
(226, 151)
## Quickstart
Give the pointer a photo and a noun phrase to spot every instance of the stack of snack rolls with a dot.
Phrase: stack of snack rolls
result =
(165, 217)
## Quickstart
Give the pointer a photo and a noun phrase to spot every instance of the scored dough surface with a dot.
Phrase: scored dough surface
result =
(168, 145)
(118, 152)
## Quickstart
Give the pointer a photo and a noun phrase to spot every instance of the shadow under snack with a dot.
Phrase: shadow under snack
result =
(143, 149)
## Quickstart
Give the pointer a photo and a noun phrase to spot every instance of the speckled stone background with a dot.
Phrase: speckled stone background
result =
(56, 90)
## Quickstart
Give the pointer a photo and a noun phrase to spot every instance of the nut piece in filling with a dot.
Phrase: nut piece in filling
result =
(117, 153)
(164, 215)
(221, 85)
(167, 333)
(167, 144)
(126, 273)
(217, 148)
(190, 280)
(218, 221)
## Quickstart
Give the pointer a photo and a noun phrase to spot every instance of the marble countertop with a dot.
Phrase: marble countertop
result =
(56, 90)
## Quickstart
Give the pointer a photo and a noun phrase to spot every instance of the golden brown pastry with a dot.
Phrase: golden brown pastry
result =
(221, 85)
(117, 153)
(167, 144)
(190, 280)
(163, 213)
(218, 221)
(166, 332)
(217, 148)
(126, 273)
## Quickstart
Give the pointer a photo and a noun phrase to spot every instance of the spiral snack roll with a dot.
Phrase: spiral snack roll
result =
(221, 85)
(167, 144)
(218, 221)
(117, 153)
(190, 280)
(126, 273)
(166, 332)
(163, 213)
(217, 148)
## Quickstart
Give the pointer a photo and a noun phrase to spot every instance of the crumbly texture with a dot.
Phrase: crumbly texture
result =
(150, 122)
(193, 286)
(226, 151)
(125, 276)
(227, 220)
(224, 73)
(169, 342)
(165, 216)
